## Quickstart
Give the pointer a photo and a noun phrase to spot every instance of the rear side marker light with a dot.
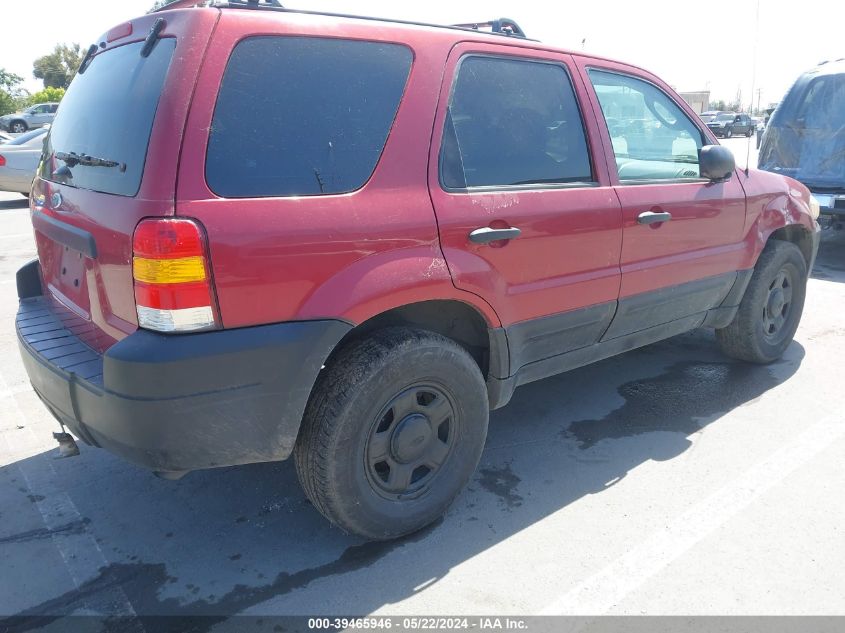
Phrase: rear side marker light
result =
(171, 273)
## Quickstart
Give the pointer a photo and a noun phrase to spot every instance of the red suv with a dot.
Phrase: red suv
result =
(265, 232)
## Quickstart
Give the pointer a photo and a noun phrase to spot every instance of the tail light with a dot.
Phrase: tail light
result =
(170, 267)
(2, 160)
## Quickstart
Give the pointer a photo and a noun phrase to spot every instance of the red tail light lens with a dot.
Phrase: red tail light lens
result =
(172, 275)
(2, 160)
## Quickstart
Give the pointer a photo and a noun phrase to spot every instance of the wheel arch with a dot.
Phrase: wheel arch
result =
(457, 320)
(799, 235)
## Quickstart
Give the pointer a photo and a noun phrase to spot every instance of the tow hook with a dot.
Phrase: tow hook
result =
(67, 445)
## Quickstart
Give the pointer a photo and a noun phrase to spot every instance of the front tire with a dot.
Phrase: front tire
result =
(392, 433)
(729, 132)
(18, 127)
(770, 311)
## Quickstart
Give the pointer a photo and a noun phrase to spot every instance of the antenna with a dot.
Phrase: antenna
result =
(753, 83)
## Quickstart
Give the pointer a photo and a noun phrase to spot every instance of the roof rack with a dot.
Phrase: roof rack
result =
(503, 26)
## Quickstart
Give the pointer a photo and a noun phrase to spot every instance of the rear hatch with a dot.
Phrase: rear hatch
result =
(110, 160)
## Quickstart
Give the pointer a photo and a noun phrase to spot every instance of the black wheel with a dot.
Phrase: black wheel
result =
(392, 433)
(728, 132)
(771, 309)
(749, 132)
(18, 127)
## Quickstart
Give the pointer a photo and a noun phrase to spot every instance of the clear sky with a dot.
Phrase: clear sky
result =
(691, 45)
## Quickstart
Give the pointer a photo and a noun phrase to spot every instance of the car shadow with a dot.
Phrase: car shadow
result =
(6, 205)
(830, 263)
(231, 540)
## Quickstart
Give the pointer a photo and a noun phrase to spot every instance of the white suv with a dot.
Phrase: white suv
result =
(38, 115)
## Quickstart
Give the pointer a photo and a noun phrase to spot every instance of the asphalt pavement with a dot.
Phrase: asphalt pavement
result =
(669, 480)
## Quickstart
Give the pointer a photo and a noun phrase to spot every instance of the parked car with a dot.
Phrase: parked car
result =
(728, 124)
(805, 137)
(35, 116)
(709, 115)
(205, 296)
(19, 159)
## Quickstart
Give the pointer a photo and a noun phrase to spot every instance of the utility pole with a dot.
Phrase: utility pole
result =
(759, 90)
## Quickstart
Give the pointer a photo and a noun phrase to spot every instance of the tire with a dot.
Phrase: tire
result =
(768, 314)
(382, 415)
(728, 132)
(749, 132)
(18, 127)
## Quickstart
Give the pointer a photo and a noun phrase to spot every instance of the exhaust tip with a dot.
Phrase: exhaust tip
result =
(67, 445)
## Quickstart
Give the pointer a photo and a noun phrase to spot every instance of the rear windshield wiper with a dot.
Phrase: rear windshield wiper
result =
(73, 159)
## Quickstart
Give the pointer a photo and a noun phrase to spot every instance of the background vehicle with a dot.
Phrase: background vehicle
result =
(19, 160)
(35, 116)
(805, 136)
(728, 124)
(506, 211)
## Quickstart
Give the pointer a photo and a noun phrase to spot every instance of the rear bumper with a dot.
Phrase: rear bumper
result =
(178, 402)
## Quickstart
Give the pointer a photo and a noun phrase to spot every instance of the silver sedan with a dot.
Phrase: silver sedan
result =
(19, 160)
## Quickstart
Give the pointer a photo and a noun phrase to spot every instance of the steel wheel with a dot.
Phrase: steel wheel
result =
(778, 304)
(410, 440)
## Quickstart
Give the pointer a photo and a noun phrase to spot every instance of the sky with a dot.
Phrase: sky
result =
(692, 46)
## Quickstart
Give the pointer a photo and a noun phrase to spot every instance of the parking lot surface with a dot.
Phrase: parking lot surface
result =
(669, 480)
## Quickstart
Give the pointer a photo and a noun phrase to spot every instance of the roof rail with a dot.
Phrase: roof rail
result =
(503, 26)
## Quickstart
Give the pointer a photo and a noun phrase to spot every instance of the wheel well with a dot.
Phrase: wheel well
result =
(799, 236)
(456, 320)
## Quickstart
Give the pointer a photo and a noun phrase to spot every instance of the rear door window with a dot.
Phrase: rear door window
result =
(512, 122)
(303, 116)
(108, 114)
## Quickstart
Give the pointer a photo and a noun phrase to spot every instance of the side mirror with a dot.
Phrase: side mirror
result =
(716, 163)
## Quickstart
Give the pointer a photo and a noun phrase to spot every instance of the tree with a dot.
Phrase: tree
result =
(10, 91)
(57, 69)
(48, 95)
(718, 105)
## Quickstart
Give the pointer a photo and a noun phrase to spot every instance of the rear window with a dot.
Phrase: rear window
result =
(303, 116)
(108, 114)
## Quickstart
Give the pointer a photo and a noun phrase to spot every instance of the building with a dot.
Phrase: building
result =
(699, 101)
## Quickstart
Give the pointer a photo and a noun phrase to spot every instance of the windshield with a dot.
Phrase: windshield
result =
(24, 139)
(805, 138)
(108, 114)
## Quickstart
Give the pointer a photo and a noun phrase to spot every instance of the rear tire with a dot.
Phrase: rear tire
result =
(771, 309)
(392, 433)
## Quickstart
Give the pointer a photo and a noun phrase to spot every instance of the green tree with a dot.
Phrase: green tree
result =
(57, 69)
(10, 91)
(48, 95)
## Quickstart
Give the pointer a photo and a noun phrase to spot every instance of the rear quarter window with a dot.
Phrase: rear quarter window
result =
(300, 116)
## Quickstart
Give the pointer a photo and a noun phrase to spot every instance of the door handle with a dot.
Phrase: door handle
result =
(485, 235)
(650, 217)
